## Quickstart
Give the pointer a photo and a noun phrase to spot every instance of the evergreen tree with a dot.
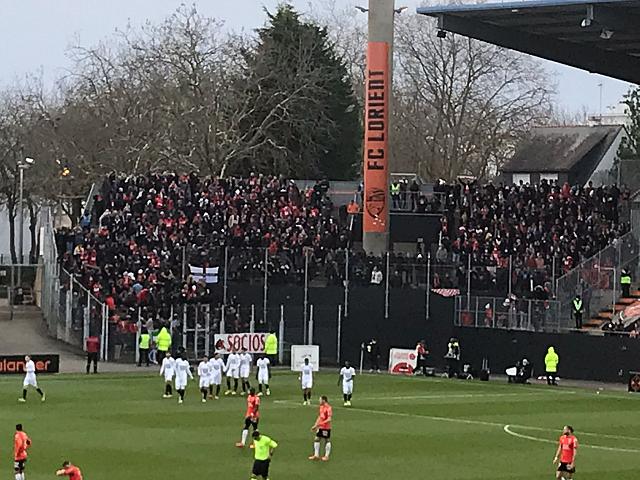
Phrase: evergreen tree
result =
(317, 130)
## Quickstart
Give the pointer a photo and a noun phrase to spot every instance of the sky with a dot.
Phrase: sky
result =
(34, 35)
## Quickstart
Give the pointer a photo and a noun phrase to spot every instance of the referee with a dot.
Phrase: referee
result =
(263, 451)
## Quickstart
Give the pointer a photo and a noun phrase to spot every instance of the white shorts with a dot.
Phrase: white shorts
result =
(205, 382)
(30, 380)
(216, 379)
(307, 383)
(234, 373)
(263, 378)
(168, 378)
(181, 384)
(245, 372)
(347, 388)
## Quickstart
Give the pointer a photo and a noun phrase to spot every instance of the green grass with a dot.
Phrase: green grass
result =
(119, 427)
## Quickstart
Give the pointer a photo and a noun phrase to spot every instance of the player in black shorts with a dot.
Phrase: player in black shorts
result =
(263, 451)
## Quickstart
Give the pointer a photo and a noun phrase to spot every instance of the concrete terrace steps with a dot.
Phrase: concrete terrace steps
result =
(605, 316)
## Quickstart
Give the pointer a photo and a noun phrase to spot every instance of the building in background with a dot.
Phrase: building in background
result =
(574, 154)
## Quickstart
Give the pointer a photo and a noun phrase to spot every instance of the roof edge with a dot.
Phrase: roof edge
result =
(521, 5)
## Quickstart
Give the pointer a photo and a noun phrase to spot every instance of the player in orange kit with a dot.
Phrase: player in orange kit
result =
(566, 454)
(251, 418)
(69, 470)
(21, 442)
(322, 429)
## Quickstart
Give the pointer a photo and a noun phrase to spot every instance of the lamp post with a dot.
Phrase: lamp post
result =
(22, 166)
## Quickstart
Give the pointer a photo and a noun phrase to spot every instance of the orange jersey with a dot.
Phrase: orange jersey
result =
(21, 442)
(568, 447)
(253, 404)
(73, 472)
(324, 418)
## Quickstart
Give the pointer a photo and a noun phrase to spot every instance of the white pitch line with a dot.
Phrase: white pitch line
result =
(466, 395)
(581, 433)
(507, 429)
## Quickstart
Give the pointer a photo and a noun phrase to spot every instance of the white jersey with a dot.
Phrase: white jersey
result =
(306, 376)
(30, 375)
(233, 365)
(204, 373)
(245, 364)
(216, 368)
(183, 370)
(347, 379)
(168, 368)
(263, 370)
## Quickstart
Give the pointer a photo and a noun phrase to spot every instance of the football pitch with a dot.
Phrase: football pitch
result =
(119, 427)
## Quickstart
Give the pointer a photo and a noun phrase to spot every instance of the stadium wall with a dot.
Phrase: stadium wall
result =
(583, 357)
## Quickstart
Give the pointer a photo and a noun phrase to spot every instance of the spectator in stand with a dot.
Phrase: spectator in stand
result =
(353, 208)
(376, 276)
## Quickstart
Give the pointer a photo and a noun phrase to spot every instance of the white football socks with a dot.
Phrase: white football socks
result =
(316, 449)
(245, 434)
(327, 449)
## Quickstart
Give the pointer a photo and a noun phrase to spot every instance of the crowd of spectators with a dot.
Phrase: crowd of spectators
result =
(147, 230)
(533, 226)
(144, 232)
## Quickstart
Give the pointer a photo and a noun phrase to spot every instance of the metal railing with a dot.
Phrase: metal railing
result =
(508, 313)
(597, 279)
(71, 312)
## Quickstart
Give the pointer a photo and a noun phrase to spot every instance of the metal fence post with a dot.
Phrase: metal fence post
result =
(252, 322)
(105, 331)
(346, 282)
(339, 334)
(137, 347)
(386, 289)
(476, 313)
(225, 277)
(222, 319)
(196, 330)
(306, 295)
(85, 323)
(310, 340)
(281, 336)
(207, 327)
(469, 282)
(428, 287)
(68, 317)
(510, 275)
(184, 326)
(266, 286)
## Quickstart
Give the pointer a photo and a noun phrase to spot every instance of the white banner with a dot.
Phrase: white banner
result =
(209, 274)
(227, 342)
(300, 352)
(402, 361)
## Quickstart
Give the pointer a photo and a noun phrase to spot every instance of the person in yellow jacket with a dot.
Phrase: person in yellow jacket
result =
(143, 347)
(163, 342)
(271, 347)
(551, 361)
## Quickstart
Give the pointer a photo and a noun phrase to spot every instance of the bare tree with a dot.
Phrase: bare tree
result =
(462, 104)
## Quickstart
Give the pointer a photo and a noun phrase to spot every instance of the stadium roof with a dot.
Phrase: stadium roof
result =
(561, 149)
(601, 36)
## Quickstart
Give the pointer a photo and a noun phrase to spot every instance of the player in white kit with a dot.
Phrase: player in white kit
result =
(232, 369)
(245, 370)
(168, 370)
(306, 379)
(346, 375)
(30, 379)
(216, 368)
(263, 375)
(204, 374)
(183, 370)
